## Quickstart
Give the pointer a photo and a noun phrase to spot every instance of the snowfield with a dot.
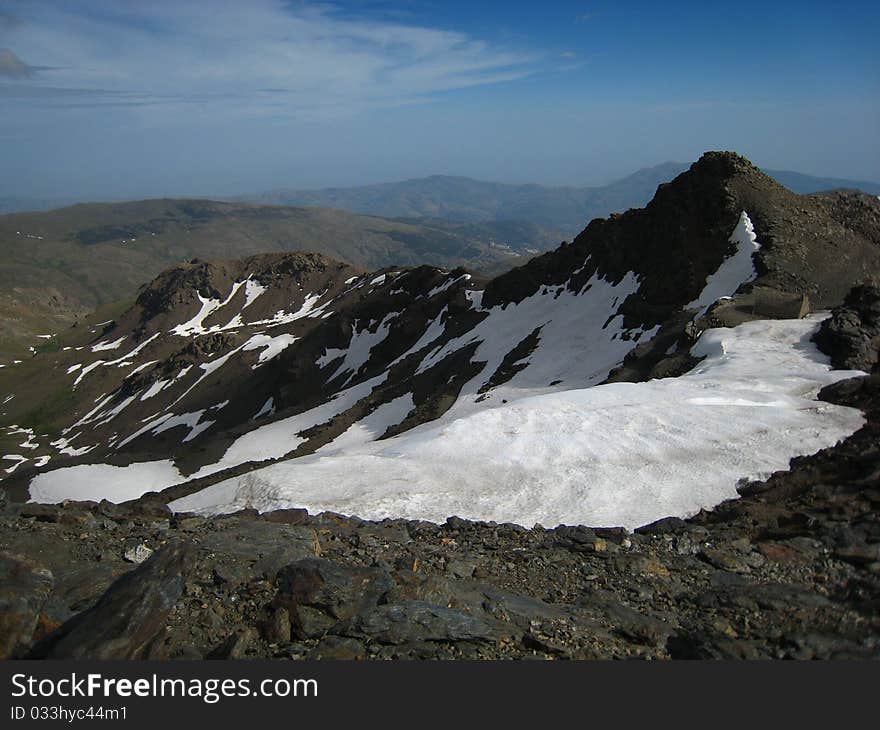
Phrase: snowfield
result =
(617, 454)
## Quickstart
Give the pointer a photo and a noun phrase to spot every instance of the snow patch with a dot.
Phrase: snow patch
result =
(17, 458)
(267, 409)
(252, 289)
(272, 346)
(195, 325)
(155, 389)
(360, 346)
(103, 481)
(448, 283)
(108, 345)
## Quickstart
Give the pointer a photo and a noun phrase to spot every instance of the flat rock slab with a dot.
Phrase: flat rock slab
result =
(254, 539)
(414, 621)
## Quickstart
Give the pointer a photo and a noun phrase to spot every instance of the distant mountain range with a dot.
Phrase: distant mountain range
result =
(567, 209)
(461, 199)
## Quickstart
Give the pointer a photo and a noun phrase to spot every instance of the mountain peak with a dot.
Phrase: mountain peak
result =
(723, 164)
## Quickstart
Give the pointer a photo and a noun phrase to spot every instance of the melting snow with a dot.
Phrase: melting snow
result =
(64, 447)
(252, 289)
(103, 481)
(432, 332)
(618, 454)
(108, 345)
(577, 344)
(119, 362)
(17, 458)
(267, 410)
(194, 326)
(276, 439)
(358, 352)
(308, 309)
(272, 346)
(155, 389)
(448, 283)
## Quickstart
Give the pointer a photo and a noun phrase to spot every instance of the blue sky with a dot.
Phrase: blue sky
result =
(117, 98)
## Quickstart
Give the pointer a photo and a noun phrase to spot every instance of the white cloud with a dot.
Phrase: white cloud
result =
(255, 57)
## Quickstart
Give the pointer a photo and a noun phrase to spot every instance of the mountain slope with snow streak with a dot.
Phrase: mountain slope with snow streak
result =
(558, 359)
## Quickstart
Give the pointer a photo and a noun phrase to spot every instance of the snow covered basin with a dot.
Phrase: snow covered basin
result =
(618, 454)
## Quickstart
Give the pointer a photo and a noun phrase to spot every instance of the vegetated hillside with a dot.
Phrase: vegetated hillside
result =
(60, 265)
(565, 208)
(221, 367)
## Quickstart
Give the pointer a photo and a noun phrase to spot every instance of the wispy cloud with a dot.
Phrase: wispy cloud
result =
(254, 57)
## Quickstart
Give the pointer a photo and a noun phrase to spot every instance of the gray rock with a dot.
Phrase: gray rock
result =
(637, 626)
(461, 568)
(663, 527)
(231, 572)
(414, 621)
(41, 512)
(250, 538)
(319, 593)
(287, 516)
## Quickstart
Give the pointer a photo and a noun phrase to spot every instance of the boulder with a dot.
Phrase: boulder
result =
(128, 621)
(24, 587)
(318, 593)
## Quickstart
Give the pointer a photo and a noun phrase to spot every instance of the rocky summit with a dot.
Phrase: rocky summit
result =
(288, 456)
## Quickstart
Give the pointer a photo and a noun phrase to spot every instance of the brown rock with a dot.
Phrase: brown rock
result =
(287, 516)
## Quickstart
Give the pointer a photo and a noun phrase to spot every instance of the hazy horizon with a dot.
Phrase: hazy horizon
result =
(106, 100)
